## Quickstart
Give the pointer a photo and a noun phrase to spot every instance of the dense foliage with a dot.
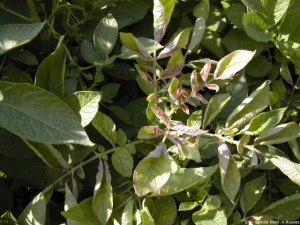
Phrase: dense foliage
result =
(149, 112)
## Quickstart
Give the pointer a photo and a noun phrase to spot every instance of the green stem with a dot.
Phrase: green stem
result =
(2, 6)
(154, 72)
(34, 14)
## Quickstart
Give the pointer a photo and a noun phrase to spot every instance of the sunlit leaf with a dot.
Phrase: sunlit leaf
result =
(230, 174)
(174, 67)
(252, 192)
(207, 217)
(279, 134)
(84, 104)
(228, 66)
(214, 107)
(15, 35)
(289, 168)
(185, 178)
(284, 209)
(148, 132)
(122, 161)
(105, 126)
(179, 42)
(103, 197)
(127, 214)
(250, 107)
(179, 126)
(70, 199)
(51, 72)
(27, 111)
(152, 172)
(162, 11)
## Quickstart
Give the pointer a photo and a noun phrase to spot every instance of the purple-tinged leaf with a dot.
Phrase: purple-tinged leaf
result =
(230, 174)
(162, 11)
(213, 87)
(194, 81)
(174, 67)
(205, 70)
(179, 126)
(130, 42)
(143, 72)
(200, 98)
(229, 65)
(152, 172)
(179, 42)
(161, 115)
(173, 88)
(148, 132)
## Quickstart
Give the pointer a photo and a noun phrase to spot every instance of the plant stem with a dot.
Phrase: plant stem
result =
(34, 14)
(2, 6)
(154, 72)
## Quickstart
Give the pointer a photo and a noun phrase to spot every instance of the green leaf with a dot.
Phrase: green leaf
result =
(284, 209)
(179, 42)
(162, 12)
(185, 178)
(254, 5)
(274, 10)
(285, 73)
(175, 65)
(201, 10)
(105, 35)
(214, 107)
(148, 132)
(230, 174)
(27, 111)
(164, 210)
(195, 119)
(89, 52)
(279, 134)
(212, 41)
(252, 192)
(256, 27)
(259, 67)
(51, 72)
(152, 172)
(251, 106)
(264, 121)
(105, 126)
(237, 39)
(121, 113)
(8, 219)
(208, 217)
(15, 35)
(70, 200)
(235, 14)
(197, 34)
(35, 211)
(82, 212)
(23, 56)
(84, 104)
(12, 74)
(127, 214)
(290, 25)
(289, 168)
(133, 44)
(229, 65)
(121, 137)
(144, 217)
(103, 196)
(109, 91)
(122, 161)
(121, 11)
(51, 156)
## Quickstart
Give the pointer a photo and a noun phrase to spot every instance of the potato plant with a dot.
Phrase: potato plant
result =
(149, 112)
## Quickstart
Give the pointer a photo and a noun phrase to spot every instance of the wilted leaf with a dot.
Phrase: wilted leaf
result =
(229, 65)
(27, 111)
(152, 172)
(15, 35)
(230, 174)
